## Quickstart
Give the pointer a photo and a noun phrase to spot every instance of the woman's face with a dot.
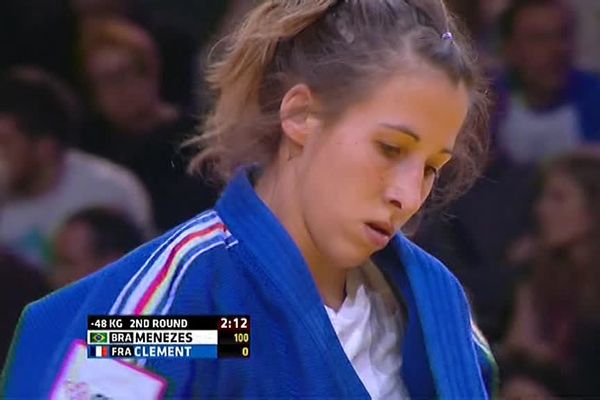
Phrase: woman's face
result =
(123, 93)
(562, 211)
(361, 179)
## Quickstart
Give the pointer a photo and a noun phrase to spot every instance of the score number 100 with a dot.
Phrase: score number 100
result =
(242, 338)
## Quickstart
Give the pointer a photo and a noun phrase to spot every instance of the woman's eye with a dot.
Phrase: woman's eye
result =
(393, 152)
(390, 151)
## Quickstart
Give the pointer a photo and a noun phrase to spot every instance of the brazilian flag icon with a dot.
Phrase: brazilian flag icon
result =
(98, 337)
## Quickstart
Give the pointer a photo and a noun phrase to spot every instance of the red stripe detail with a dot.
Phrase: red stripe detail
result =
(104, 351)
(163, 272)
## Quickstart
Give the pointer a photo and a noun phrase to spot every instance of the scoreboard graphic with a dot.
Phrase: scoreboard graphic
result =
(170, 336)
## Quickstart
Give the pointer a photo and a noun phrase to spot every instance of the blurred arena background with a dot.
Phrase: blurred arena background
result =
(97, 95)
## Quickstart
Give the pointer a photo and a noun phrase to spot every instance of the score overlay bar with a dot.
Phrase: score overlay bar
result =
(187, 337)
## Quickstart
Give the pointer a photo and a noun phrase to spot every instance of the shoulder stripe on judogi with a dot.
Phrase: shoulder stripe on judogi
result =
(483, 344)
(198, 241)
(134, 281)
(149, 290)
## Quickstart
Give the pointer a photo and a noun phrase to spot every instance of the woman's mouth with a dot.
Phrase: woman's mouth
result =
(379, 234)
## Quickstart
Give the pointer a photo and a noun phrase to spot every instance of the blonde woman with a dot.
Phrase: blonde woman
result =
(331, 122)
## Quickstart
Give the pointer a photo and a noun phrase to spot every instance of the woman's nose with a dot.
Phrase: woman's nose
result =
(405, 190)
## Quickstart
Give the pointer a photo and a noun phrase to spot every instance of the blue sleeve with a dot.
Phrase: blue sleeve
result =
(37, 346)
(23, 368)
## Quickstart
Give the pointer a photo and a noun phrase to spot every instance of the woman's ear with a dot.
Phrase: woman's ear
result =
(297, 122)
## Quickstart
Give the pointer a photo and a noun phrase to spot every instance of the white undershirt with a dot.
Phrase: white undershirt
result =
(369, 325)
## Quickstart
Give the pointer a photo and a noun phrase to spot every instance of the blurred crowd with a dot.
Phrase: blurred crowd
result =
(97, 97)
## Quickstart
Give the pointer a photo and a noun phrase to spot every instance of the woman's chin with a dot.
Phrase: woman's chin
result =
(352, 258)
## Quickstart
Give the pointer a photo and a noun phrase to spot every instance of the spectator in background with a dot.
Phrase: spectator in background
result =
(588, 32)
(89, 240)
(135, 126)
(524, 378)
(545, 105)
(560, 292)
(122, 68)
(473, 234)
(46, 180)
(20, 284)
(179, 28)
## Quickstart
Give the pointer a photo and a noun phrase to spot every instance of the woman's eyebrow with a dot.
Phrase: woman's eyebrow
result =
(402, 129)
(410, 132)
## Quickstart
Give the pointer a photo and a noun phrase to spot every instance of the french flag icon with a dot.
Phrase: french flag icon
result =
(100, 351)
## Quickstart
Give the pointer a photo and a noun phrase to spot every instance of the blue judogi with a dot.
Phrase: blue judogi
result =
(238, 260)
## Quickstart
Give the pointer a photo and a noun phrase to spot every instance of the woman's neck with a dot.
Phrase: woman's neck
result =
(274, 189)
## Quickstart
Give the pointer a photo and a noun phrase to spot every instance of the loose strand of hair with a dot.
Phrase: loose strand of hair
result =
(236, 75)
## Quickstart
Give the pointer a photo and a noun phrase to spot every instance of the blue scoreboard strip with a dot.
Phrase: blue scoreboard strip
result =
(153, 351)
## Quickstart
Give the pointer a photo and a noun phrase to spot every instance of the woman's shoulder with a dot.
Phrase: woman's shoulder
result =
(142, 281)
(156, 278)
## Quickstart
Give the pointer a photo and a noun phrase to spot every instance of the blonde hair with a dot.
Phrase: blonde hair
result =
(339, 49)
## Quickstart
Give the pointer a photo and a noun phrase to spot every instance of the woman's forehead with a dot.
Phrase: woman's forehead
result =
(425, 101)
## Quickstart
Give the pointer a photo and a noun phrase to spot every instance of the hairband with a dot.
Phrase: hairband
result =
(447, 36)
